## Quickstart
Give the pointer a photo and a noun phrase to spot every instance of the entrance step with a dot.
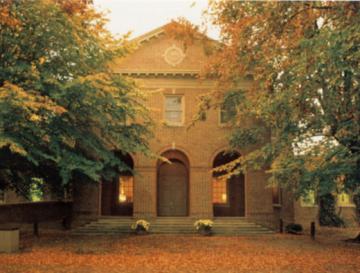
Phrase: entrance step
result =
(171, 225)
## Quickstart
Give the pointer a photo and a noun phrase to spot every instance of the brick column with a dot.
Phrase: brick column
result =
(200, 193)
(145, 192)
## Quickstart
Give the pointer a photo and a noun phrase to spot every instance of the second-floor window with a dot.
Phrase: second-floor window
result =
(174, 110)
(227, 112)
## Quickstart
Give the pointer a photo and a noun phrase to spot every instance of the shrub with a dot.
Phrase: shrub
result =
(203, 224)
(327, 213)
(294, 228)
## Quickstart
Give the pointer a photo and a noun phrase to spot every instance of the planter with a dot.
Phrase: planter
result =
(141, 232)
(9, 240)
(141, 227)
(204, 226)
(206, 231)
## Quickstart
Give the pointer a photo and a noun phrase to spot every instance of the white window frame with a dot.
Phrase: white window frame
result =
(171, 123)
(221, 123)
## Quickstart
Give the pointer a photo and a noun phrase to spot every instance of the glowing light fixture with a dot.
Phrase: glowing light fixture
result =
(122, 197)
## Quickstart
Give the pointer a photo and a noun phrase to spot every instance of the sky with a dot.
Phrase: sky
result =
(141, 16)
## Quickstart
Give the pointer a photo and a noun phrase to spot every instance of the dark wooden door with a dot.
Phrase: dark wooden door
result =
(172, 189)
(237, 196)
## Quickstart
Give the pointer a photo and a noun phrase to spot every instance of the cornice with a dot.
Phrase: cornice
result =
(162, 73)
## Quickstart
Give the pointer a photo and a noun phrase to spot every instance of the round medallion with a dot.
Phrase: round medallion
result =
(173, 55)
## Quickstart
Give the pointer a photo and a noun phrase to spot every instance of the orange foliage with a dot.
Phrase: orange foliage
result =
(154, 253)
(5, 15)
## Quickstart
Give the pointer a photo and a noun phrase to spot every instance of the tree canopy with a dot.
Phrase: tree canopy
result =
(304, 105)
(63, 113)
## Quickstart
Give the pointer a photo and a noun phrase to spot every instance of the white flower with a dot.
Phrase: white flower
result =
(203, 223)
(141, 223)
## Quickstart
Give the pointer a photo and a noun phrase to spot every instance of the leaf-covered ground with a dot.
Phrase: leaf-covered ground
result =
(168, 253)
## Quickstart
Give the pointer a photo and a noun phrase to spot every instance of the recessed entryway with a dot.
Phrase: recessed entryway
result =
(228, 194)
(117, 194)
(173, 184)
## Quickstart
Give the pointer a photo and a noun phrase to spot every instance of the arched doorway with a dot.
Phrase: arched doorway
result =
(117, 195)
(228, 194)
(173, 185)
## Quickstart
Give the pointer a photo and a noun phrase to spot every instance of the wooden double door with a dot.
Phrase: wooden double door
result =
(172, 189)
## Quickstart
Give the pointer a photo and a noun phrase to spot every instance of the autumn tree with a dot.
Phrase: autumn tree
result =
(304, 60)
(63, 112)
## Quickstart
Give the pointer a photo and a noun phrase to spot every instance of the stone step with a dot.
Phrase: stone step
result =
(222, 233)
(174, 225)
(175, 222)
(171, 225)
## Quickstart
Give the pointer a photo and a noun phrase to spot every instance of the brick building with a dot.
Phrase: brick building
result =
(168, 73)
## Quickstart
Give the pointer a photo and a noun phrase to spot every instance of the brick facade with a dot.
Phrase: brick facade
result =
(176, 74)
(200, 143)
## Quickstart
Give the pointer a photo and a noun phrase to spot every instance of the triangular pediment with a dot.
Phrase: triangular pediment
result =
(158, 53)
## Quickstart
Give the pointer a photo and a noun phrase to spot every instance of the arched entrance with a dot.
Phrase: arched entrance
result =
(228, 194)
(117, 195)
(173, 185)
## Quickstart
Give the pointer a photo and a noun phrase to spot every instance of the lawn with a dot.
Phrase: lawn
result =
(57, 252)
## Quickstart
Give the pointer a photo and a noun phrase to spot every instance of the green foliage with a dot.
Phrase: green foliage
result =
(63, 112)
(247, 136)
(304, 58)
(294, 228)
(36, 190)
(356, 200)
(327, 212)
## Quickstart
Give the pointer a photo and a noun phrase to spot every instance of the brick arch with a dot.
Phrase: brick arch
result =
(179, 149)
(127, 158)
(218, 151)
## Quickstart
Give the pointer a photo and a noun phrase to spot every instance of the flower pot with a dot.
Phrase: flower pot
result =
(206, 231)
(141, 231)
(9, 240)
